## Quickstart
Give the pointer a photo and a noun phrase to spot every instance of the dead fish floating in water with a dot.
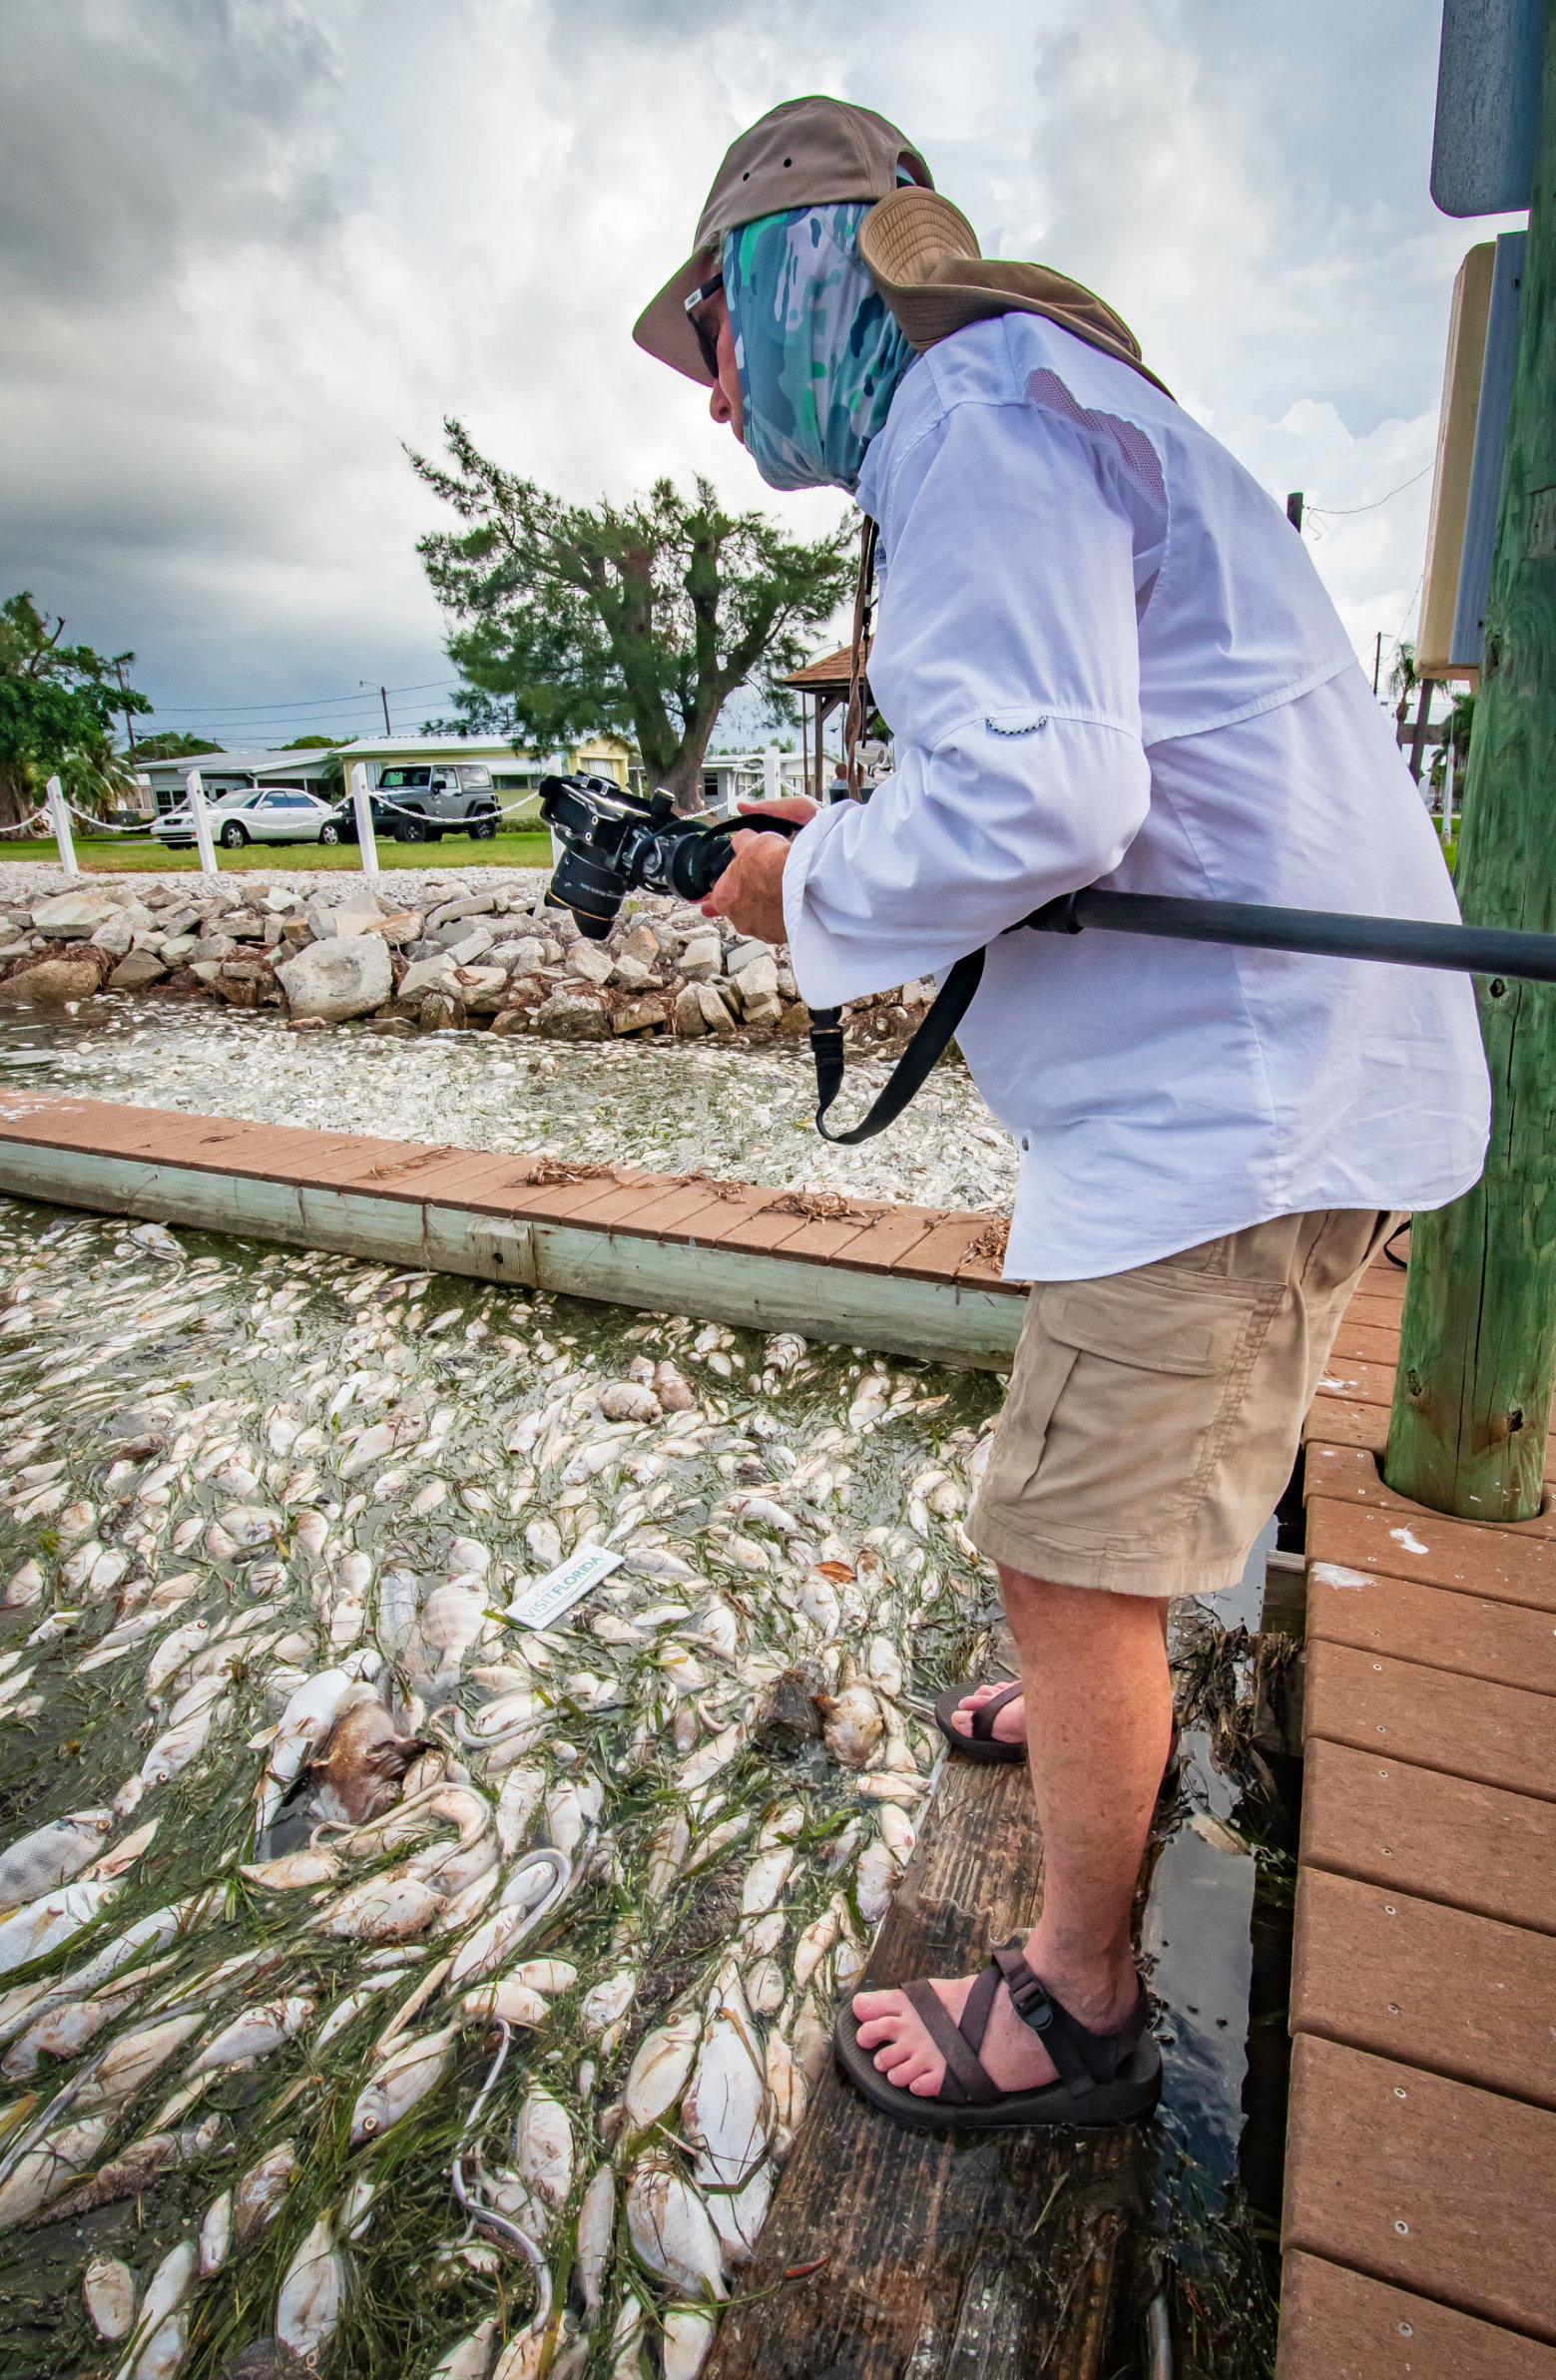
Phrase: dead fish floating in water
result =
(364, 1762)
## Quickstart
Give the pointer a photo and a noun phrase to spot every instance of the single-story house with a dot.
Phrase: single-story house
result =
(227, 772)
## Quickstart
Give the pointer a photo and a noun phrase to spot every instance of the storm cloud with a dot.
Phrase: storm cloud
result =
(254, 248)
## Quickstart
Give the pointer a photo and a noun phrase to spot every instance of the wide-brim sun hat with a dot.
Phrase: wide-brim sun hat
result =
(924, 256)
(814, 151)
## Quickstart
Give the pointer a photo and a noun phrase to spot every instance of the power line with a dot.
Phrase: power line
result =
(310, 703)
(1332, 512)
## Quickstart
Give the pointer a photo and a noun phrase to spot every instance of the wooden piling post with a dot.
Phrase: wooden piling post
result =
(1472, 1398)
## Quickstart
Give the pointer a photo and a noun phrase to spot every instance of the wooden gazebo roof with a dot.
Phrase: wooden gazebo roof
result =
(832, 675)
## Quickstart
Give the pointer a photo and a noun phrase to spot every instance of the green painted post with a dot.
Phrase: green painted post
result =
(1472, 1401)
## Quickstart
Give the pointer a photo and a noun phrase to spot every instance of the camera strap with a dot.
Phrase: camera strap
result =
(908, 1076)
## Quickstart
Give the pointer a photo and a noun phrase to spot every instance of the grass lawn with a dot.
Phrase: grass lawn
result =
(102, 855)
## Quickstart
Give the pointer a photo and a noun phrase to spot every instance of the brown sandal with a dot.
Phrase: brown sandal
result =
(1104, 2077)
(983, 1745)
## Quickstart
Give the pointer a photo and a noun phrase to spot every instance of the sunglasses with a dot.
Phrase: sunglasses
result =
(707, 337)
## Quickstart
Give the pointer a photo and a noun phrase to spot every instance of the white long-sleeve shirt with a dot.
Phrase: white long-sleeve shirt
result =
(1106, 659)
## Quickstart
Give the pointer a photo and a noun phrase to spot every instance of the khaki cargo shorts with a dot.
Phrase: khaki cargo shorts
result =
(1154, 1416)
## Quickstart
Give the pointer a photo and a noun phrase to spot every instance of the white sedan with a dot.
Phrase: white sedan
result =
(256, 816)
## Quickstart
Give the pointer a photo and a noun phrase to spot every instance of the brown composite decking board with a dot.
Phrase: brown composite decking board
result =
(1408, 1978)
(1339, 2325)
(1430, 2184)
(1421, 2143)
(1509, 1564)
(1442, 1838)
(1432, 1718)
(1505, 1644)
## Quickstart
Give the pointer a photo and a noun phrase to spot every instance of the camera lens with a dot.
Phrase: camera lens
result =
(591, 889)
(697, 862)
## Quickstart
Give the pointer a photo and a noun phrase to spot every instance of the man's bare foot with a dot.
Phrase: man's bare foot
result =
(1010, 1725)
(1012, 2055)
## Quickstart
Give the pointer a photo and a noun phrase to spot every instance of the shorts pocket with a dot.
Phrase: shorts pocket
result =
(1134, 1383)
(1148, 1320)
(1043, 1365)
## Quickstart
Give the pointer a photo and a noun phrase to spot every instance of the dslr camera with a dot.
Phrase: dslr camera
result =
(618, 842)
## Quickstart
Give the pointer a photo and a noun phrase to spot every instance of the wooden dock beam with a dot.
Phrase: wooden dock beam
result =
(907, 1280)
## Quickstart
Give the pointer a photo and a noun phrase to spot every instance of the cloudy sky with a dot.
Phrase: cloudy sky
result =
(252, 246)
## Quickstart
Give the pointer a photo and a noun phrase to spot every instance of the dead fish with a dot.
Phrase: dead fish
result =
(363, 1764)
(216, 2233)
(685, 2343)
(308, 2311)
(52, 1855)
(254, 2034)
(42, 2173)
(161, 2329)
(594, 2238)
(307, 1718)
(609, 2001)
(108, 2289)
(49, 1920)
(522, 1791)
(853, 1724)
(671, 2231)
(471, 2358)
(875, 1880)
(543, 2147)
(294, 1871)
(130, 2176)
(25, 1586)
(413, 2069)
(388, 1908)
(659, 2070)
(256, 2200)
(507, 1998)
(129, 2061)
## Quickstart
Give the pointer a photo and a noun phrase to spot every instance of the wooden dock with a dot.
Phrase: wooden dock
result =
(1421, 2152)
(1421, 2164)
(907, 1280)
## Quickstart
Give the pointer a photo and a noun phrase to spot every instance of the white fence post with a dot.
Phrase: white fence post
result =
(772, 775)
(363, 810)
(59, 819)
(197, 810)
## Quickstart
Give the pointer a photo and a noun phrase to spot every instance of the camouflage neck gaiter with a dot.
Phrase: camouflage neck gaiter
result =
(820, 357)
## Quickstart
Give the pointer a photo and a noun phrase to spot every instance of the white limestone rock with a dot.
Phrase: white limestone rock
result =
(338, 979)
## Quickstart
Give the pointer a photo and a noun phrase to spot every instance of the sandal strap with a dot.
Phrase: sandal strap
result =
(975, 2022)
(965, 2084)
(987, 1712)
(1082, 2057)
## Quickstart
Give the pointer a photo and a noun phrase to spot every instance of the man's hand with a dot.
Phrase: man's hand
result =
(750, 894)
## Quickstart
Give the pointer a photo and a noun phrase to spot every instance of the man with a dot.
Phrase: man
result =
(1105, 657)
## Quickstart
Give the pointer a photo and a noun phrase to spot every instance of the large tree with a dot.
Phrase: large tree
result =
(58, 703)
(639, 620)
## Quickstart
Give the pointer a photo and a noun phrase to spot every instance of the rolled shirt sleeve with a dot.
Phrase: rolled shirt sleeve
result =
(1006, 662)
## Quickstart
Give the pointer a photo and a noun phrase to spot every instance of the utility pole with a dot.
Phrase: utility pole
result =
(1474, 1395)
(1378, 660)
(383, 697)
(119, 672)
(1293, 510)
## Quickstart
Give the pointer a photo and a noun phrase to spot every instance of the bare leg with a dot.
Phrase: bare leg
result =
(1099, 1707)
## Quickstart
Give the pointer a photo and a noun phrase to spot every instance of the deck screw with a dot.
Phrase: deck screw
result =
(1401, 2228)
(1407, 2330)
(1393, 2008)
(1399, 2090)
(1388, 1909)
